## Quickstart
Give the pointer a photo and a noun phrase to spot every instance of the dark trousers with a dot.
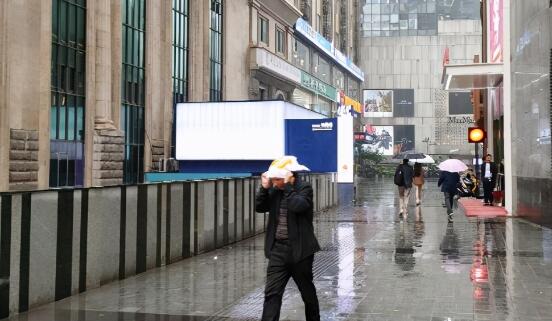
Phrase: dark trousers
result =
(449, 201)
(280, 269)
(488, 190)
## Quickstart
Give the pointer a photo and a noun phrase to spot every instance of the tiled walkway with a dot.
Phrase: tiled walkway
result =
(373, 266)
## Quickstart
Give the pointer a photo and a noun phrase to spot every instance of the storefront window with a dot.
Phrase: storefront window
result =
(353, 88)
(300, 55)
(215, 51)
(133, 89)
(322, 106)
(338, 79)
(321, 68)
(68, 74)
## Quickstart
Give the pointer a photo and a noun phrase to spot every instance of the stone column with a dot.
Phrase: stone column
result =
(108, 141)
(116, 62)
(198, 63)
(103, 65)
(4, 123)
(158, 82)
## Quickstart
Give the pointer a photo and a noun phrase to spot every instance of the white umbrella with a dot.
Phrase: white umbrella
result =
(453, 165)
(426, 160)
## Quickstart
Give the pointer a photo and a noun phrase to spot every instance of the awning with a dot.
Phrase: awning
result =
(472, 76)
(353, 103)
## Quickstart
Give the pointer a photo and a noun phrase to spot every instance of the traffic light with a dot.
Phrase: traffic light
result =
(476, 135)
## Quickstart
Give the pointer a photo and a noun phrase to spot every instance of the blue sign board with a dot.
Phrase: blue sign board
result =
(313, 142)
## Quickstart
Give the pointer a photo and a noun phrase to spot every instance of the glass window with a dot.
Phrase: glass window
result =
(353, 88)
(321, 68)
(133, 89)
(179, 59)
(215, 52)
(280, 41)
(262, 30)
(67, 88)
(338, 79)
(300, 55)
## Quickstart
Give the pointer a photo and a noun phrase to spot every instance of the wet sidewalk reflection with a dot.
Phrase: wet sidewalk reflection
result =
(374, 265)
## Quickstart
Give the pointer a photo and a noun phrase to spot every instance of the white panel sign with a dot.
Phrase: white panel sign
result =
(278, 65)
(345, 148)
(234, 130)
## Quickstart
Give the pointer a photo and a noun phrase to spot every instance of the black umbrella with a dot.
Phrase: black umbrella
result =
(410, 155)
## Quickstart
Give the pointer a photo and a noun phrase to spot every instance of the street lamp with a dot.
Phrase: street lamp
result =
(426, 140)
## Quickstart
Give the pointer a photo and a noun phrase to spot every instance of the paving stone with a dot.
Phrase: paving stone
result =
(374, 265)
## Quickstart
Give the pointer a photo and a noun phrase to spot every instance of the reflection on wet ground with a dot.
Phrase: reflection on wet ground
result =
(374, 266)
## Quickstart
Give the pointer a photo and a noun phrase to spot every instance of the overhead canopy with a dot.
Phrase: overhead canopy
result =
(472, 76)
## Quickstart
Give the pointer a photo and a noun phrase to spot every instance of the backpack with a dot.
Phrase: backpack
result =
(399, 176)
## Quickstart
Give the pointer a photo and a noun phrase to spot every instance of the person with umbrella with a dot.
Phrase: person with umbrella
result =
(448, 181)
(290, 242)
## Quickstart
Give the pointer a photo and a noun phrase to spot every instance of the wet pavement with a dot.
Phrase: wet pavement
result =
(374, 266)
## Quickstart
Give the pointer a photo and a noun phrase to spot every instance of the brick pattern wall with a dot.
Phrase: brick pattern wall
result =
(157, 153)
(23, 172)
(107, 168)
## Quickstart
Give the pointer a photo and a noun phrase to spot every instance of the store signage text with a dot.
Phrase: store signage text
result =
(326, 126)
(318, 86)
(461, 120)
(277, 65)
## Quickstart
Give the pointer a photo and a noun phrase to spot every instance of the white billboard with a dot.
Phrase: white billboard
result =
(345, 148)
(252, 130)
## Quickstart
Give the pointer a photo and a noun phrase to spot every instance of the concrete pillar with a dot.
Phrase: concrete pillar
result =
(235, 42)
(116, 62)
(25, 35)
(158, 82)
(90, 100)
(4, 122)
(104, 142)
(198, 63)
(508, 159)
(103, 65)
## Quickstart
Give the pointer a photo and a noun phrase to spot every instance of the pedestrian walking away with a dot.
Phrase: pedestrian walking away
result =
(418, 181)
(489, 174)
(403, 179)
(290, 242)
(448, 182)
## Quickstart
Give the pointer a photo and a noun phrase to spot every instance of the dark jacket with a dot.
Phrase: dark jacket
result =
(300, 216)
(408, 174)
(494, 171)
(448, 182)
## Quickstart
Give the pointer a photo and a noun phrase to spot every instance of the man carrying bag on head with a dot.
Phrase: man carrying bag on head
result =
(290, 242)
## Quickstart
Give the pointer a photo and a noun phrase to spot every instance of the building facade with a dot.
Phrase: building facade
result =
(531, 108)
(89, 99)
(403, 46)
(303, 52)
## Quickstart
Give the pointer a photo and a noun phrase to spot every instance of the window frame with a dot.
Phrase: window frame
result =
(260, 20)
(283, 48)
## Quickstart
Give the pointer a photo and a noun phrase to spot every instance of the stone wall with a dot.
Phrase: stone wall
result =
(107, 168)
(23, 172)
(157, 153)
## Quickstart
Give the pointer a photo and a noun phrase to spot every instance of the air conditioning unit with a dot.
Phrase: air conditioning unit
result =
(168, 165)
